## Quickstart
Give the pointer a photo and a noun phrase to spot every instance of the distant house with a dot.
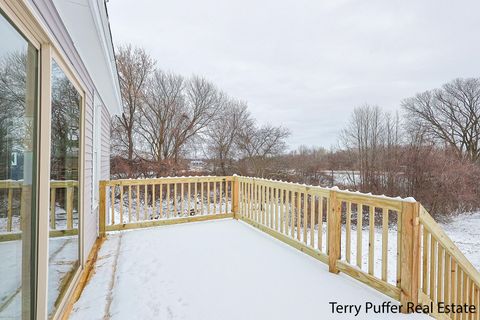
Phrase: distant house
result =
(198, 165)
(60, 113)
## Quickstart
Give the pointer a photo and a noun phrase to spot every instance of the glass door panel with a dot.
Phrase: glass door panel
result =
(18, 105)
(64, 187)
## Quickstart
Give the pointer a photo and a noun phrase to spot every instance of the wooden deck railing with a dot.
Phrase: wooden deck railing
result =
(390, 244)
(446, 275)
(127, 204)
(13, 191)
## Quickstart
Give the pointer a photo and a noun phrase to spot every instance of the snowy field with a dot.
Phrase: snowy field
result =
(464, 230)
(63, 259)
(214, 270)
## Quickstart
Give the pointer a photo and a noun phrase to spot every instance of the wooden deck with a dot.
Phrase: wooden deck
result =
(223, 269)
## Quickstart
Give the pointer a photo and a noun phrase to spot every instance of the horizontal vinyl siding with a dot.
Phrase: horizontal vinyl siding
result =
(89, 216)
(105, 145)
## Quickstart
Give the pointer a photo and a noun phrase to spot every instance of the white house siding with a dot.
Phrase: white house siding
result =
(89, 217)
(105, 146)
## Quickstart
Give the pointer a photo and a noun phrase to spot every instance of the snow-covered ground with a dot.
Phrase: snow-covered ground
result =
(63, 259)
(215, 270)
(464, 230)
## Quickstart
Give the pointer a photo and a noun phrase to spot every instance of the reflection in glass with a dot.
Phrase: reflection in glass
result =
(64, 186)
(18, 83)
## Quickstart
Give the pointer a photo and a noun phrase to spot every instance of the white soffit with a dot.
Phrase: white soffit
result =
(87, 23)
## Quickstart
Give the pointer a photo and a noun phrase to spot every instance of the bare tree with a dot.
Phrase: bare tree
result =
(223, 132)
(174, 112)
(259, 146)
(450, 115)
(13, 77)
(364, 134)
(134, 67)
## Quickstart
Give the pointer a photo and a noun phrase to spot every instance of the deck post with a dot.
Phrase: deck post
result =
(409, 254)
(235, 197)
(102, 208)
(334, 231)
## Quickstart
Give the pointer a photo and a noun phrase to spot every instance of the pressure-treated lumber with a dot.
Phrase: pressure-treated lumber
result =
(102, 208)
(235, 198)
(410, 254)
(334, 232)
(155, 223)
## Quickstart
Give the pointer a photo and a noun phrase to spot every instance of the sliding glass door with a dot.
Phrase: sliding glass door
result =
(18, 105)
(64, 186)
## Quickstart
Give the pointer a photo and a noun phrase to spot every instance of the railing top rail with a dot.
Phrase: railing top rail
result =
(436, 230)
(167, 179)
(342, 193)
(9, 184)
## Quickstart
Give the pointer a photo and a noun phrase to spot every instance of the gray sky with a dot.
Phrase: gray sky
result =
(306, 64)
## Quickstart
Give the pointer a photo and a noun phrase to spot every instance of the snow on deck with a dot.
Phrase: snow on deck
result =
(215, 270)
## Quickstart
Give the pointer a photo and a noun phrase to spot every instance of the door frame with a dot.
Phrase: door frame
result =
(22, 16)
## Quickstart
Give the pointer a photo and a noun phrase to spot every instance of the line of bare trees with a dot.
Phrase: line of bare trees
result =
(168, 119)
(431, 152)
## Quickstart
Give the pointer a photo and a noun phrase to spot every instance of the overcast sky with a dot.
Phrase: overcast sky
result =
(306, 64)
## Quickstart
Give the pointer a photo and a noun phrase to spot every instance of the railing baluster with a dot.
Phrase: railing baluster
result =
(53, 222)
(292, 214)
(201, 198)
(465, 292)
(453, 283)
(137, 204)
(269, 206)
(282, 211)
(433, 259)
(9, 209)
(304, 216)
(298, 199)
(348, 232)
(154, 201)
(112, 203)
(175, 200)
(271, 211)
(477, 295)
(167, 200)
(320, 223)
(359, 234)
(189, 196)
(399, 247)
(215, 198)
(458, 299)
(208, 197)
(129, 203)
(69, 208)
(182, 198)
(195, 204)
(220, 199)
(384, 244)
(440, 274)
(260, 198)
(446, 279)
(371, 240)
(145, 202)
(425, 273)
(121, 202)
(160, 200)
